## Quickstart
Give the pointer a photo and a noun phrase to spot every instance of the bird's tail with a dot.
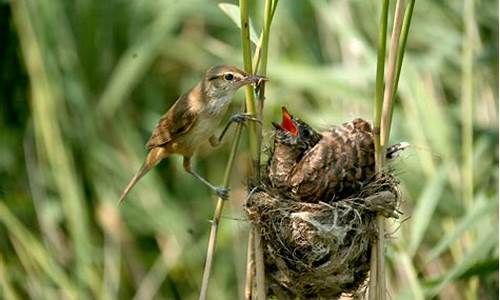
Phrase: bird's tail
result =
(394, 150)
(155, 155)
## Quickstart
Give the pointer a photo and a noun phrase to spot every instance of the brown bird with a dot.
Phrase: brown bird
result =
(192, 119)
(323, 166)
(337, 165)
(292, 138)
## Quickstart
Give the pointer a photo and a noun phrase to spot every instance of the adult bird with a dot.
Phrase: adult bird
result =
(192, 119)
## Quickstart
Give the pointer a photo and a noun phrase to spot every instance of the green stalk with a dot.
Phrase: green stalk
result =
(218, 214)
(379, 87)
(249, 93)
(467, 103)
(394, 59)
(402, 45)
(256, 254)
(269, 10)
(250, 266)
(467, 112)
(379, 90)
(389, 92)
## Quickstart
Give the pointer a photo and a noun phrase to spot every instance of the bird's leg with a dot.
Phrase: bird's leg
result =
(236, 118)
(220, 191)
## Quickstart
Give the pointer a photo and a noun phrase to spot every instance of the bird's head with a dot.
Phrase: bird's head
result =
(294, 131)
(224, 80)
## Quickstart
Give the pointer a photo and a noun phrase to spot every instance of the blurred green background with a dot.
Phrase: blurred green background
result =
(84, 82)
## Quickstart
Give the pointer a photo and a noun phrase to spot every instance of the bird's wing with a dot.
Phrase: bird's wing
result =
(177, 121)
(308, 177)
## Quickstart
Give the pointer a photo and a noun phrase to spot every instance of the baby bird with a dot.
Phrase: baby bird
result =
(311, 166)
(292, 138)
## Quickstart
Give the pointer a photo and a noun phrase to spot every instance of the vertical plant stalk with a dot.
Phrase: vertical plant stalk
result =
(255, 255)
(249, 93)
(384, 132)
(374, 262)
(467, 106)
(260, 273)
(389, 92)
(384, 110)
(250, 108)
(379, 87)
(261, 68)
(250, 269)
(217, 215)
(402, 47)
(467, 111)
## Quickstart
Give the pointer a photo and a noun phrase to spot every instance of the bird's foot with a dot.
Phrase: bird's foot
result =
(222, 192)
(242, 117)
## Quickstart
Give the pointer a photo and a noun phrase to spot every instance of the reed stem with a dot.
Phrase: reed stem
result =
(384, 106)
(375, 262)
(218, 214)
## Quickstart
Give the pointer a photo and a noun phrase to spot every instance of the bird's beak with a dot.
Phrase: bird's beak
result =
(287, 123)
(254, 79)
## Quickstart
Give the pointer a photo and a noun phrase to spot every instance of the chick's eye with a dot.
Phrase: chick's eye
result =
(228, 76)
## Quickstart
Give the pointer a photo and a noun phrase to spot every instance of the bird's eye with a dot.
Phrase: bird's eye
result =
(228, 76)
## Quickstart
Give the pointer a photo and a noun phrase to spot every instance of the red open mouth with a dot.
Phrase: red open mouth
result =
(287, 124)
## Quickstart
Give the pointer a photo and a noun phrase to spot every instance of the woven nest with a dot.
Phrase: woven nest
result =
(320, 250)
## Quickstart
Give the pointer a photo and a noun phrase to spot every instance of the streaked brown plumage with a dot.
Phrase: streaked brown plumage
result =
(192, 120)
(314, 167)
(337, 165)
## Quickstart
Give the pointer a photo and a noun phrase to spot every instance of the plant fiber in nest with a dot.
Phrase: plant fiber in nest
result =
(320, 250)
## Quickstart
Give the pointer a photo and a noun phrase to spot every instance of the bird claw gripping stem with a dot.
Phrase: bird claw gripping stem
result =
(222, 192)
(242, 117)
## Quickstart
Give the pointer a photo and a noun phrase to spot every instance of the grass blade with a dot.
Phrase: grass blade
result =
(424, 210)
(233, 12)
(480, 208)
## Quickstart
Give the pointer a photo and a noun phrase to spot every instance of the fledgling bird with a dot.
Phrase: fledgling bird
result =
(192, 119)
(292, 138)
(336, 163)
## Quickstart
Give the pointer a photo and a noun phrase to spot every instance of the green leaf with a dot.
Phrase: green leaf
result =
(480, 208)
(480, 268)
(233, 12)
(479, 253)
(425, 208)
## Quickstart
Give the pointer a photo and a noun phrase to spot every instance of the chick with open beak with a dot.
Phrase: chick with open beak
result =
(292, 139)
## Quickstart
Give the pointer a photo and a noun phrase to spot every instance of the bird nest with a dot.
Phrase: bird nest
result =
(320, 250)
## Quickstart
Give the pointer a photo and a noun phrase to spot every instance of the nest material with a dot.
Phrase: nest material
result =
(320, 250)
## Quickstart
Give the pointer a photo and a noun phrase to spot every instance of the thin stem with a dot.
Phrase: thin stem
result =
(391, 74)
(250, 270)
(260, 274)
(402, 45)
(374, 264)
(268, 15)
(467, 102)
(379, 87)
(260, 63)
(469, 46)
(217, 215)
(249, 93)
(269, 9)
(387, 106)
